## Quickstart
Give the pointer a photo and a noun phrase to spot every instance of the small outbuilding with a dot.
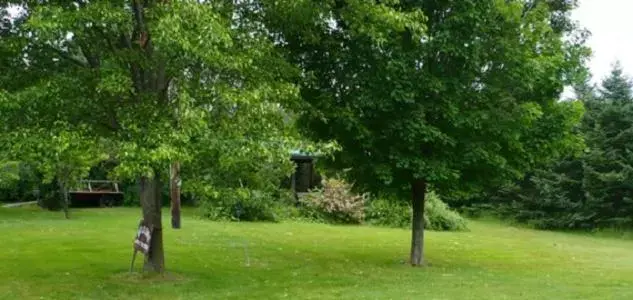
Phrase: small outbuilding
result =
(305, 176)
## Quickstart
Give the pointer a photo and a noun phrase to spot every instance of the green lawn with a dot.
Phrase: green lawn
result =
(46, 257)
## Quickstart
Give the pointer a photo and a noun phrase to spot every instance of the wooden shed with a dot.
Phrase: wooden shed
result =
(305, 176)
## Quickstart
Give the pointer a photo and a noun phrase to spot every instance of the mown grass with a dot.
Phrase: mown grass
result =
(44, 256)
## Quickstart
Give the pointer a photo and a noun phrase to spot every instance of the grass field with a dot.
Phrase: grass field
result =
(46, 257)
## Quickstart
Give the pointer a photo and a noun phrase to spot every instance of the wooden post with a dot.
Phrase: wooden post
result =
(133, 259)
(311, 174)
(174, 189)
(293, 184)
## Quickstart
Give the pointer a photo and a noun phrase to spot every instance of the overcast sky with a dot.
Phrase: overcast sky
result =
(611, 26)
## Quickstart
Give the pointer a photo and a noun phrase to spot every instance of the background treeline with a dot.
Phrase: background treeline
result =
(590, 189)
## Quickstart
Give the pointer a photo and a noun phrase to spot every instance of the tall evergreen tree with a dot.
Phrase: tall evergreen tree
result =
(617, 86)
(608, 164)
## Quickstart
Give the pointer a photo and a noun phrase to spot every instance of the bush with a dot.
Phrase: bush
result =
(438, 216)
(50, 197)
(131, 194)
(18, 182)
(9, 174)
(385, 211)
(334, 202)
(242, 204)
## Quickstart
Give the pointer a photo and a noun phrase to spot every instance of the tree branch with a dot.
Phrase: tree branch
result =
(93, 60)
(67, 56)
(105, 37)
(139, 28)
(126, 43)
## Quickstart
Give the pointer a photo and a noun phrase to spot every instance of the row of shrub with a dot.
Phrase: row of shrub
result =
(333, 203)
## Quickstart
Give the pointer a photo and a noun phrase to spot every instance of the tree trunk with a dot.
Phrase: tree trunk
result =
(64, 199)
(151, 203)
(418, 195)
(174, 189)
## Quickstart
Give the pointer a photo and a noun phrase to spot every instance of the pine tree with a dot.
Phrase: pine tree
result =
(608, 164)
(616, 86)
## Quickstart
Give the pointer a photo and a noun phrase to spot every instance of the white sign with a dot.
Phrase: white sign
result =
(143, 238)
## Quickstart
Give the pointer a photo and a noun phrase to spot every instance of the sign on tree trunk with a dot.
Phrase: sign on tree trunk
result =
(143, 238)
(142, 241)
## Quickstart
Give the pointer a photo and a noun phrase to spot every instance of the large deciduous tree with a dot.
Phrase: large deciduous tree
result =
(148, 77)
(450, 95)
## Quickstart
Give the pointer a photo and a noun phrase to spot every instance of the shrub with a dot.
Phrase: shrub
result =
(131, 194)
(49, 196)
(9, 174)
(241, 204)
(335, 202)
(18, 182)
(387, 211)
(438, 216)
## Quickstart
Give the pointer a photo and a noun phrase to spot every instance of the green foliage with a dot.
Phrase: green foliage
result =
(50, 196)
(242, 204)
(18, 182)
(438, 216)
(608, 163)
(483, 108)
(458, 95)
(160, 82)
(60, 154)
(27, 184)
(585, 90)
(335, 202)
(150, 83)
(616, 86)
(9, 173)
(585, 190)
(384, 211)
(131, 194)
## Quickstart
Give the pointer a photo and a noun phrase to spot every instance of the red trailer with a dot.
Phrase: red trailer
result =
(96, 193)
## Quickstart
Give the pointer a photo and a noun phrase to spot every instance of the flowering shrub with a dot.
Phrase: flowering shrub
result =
(335, 202)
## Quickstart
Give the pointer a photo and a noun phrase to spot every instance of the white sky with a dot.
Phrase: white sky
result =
(611, 27)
